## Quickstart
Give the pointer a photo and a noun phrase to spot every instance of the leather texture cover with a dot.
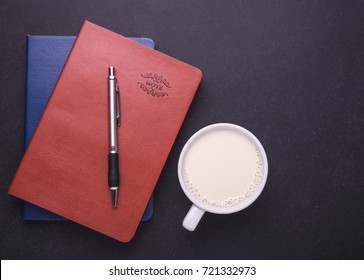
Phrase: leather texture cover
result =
(46, 56)
(64, 169)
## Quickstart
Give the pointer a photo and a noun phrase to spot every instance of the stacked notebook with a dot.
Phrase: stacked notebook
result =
(46, 56)
(64, 169)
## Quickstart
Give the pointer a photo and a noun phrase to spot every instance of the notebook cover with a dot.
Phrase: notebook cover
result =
(64, 169)
(46, 56)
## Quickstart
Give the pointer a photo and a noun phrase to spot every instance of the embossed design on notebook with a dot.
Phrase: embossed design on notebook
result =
(154, 84)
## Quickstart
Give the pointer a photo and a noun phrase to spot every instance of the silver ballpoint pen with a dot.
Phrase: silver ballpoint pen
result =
(114, 121)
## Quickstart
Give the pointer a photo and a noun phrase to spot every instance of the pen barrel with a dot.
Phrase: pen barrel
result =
(113, 174)
(113, 139)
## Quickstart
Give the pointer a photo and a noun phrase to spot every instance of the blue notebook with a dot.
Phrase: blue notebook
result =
(46, 56)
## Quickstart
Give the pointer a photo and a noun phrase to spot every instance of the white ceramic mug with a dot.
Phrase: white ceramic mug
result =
(199, 207)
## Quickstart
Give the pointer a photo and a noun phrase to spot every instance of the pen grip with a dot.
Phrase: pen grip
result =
(113, 170)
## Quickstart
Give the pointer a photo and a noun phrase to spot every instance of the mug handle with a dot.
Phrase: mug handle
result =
(192, 218)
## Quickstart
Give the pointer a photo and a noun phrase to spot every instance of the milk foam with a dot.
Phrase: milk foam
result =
(222, 168)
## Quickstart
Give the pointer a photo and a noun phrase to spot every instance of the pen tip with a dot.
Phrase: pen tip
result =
(114, 197)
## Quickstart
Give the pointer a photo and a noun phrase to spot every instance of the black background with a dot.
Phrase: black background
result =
(289, 71)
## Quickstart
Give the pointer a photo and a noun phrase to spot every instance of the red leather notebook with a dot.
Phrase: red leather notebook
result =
(65, 166)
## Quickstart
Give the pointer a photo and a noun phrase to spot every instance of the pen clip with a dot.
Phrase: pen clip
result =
(117, 104)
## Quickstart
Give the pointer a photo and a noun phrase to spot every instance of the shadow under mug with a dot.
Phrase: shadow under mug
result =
(198, 207)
